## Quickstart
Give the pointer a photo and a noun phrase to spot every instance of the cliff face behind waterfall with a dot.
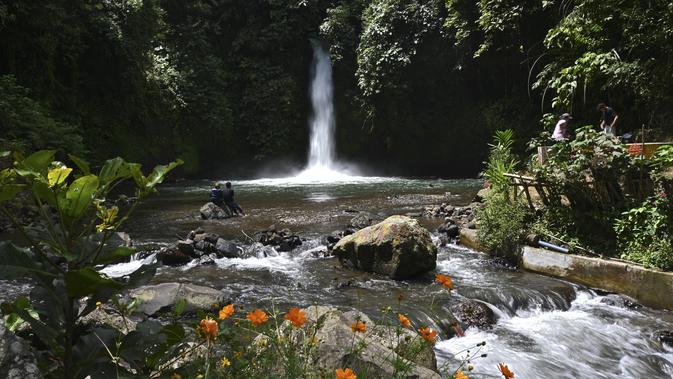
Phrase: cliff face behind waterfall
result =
(419, 85)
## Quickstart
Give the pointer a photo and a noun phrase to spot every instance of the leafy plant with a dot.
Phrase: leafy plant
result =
(76, 223)
(501, 161)
(645, 233)
(503, 225)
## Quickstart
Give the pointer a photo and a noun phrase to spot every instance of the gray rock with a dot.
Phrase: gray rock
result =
(156, 297)
(211, 211)
(17, 360)
(186, 247)
(380, 346)
(171, 256)
(360, 221)
(227, 249)
(452, 231)
(474, 313)
(397, 247)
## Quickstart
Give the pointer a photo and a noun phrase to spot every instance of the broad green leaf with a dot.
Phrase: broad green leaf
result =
(57, 176)
(114, 255)
(87, 281)
(159, 173)
(116, 168)
(81, 164)
(80, 195)
(4, 154)
(9, 191)
(18, 263)
(36, 164)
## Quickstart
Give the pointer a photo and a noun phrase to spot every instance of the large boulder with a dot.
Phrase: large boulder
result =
(154, 298)
(227, 249)
(172, 256)
(379, 346)
(211, 211)
(397, 247)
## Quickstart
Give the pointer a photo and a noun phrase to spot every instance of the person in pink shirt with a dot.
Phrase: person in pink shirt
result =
(561, 129)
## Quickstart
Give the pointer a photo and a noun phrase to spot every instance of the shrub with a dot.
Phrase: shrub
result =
(76, 222)
(645, 233)
(503, 225)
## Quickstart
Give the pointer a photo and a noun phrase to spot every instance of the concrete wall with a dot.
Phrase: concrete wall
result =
(651, 288)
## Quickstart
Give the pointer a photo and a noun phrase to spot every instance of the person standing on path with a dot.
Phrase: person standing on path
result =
(608, 119)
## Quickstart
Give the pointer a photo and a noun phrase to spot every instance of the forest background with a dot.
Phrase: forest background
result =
(420, 85)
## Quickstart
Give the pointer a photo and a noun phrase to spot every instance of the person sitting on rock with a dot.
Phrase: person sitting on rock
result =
(217, 195)
(228, 196)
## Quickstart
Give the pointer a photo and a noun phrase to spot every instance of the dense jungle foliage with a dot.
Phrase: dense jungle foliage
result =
(224, 84)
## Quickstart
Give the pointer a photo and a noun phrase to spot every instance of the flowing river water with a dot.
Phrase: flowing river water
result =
(545, 327)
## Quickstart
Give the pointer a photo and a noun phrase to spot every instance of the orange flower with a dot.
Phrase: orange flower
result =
(404, 320)
(257, 317)
(428, 335)
(296, 317)
(208, 327)
(505, 371)
(358, 326)
(226, 311)
(345, 374)
(445, 280)
(460, 375)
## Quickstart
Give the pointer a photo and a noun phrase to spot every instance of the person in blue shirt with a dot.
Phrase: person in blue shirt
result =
(217, 195)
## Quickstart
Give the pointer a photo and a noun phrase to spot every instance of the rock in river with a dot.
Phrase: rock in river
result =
(211, 211)
(397, 247)
(153, 298)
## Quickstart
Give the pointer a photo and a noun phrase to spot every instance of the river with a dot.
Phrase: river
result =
(545, 328)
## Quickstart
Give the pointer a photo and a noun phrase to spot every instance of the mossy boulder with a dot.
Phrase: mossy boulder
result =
(397, 247)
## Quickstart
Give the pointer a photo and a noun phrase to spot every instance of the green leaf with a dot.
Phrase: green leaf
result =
(86, 281)
(9, 191)
(36, 164)
(80, 195)
(57, 176)
(81, 164)
(5, 154)
(18, 263)
(159, 173)
(116, 168)
(114, 255)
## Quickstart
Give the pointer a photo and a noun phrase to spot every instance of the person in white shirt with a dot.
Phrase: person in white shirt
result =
(561, 129)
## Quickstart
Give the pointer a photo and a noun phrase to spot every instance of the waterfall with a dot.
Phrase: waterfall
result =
(321, 153)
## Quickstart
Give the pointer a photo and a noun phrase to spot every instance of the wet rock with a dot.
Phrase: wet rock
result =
(284, 239)
(666, 337)
(104, 316)
(194, 232)
(227, 249)
(397, 247)
(258, 250)
(474, 313)
(17, 360)
(619, 301)
(360, 221)
(210, 211)
(208, 237)
(154, 298)
(171, 256)
(186, 247)
(380, 345)
(208, 259)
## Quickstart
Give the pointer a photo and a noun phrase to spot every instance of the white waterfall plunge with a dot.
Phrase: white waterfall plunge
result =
(321, 161)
